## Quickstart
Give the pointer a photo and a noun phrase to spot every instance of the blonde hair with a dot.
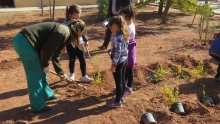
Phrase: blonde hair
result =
(77, 26)
(70, 9)
(122, 25)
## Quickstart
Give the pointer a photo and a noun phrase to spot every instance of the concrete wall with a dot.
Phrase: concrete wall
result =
(37, 3)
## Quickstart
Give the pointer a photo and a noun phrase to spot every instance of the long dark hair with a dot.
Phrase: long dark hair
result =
(70, 9)
(128, 12)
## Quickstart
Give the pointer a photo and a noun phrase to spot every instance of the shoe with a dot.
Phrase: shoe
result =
(102, 47)
(45, 109)
(113, 104)
(217, 79)
(86, 79)
(72, 76)
(122, 99)
(54, 96)
(128, 91)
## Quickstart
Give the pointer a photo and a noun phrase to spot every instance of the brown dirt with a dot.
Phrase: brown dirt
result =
(158, 45)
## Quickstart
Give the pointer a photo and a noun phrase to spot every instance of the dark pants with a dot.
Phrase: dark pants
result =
(119, 76)
(217, 58)
(72, 53)
(129, 76)
(108, 35)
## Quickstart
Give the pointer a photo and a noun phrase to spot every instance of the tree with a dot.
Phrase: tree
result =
(42, 7)
(53, 10)
(168, 4)
(160, 9)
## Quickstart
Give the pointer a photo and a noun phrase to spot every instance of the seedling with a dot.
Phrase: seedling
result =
(98, 77)
(158, 76)
(171, 92)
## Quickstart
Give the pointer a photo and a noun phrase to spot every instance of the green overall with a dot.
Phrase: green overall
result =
(38, 87)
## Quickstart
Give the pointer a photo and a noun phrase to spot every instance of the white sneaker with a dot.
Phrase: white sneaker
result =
(86, 79)
(72, 76)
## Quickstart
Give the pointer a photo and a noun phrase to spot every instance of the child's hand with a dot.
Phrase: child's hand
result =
(86, 44)
(112, 69)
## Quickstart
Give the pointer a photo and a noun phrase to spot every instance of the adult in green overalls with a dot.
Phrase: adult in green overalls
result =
(36, 45)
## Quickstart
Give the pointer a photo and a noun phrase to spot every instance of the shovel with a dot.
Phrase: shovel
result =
(68, 80)
(87, 49)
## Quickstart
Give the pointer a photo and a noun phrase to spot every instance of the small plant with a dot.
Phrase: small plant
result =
(98, 77)
(161, 72)
(141, 108)
(199, 70)
(171, 92)
(103, 8)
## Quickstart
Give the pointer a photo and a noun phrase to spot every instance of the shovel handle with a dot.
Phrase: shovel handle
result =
(68, 80)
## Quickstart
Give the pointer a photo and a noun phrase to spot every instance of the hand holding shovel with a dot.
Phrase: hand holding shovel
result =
(64, 77)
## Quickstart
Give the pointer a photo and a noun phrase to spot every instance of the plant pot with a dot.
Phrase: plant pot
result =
(207, 100)
(152, 79)
(148, 118)
(178, 108)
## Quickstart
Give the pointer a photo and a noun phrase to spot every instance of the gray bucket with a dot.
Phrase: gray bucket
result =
(207, 99)
(178, 108)
(148, 118)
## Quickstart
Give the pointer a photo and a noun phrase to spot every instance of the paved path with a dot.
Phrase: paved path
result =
(39, 8)
(215, 5)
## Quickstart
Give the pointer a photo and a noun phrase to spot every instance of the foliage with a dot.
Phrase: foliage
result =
(161, 72)
(186, 6)
(98, 77)
(171, 92)
(142, 3)
(199, 70)
(103, 8)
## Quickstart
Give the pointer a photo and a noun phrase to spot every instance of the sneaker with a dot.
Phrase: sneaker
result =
(217, 79)
(86, 79)
(122, 99)
(113, 104)
(54, 96)
(45, 109)
(128, 91)
(72, 76)
(102, 47)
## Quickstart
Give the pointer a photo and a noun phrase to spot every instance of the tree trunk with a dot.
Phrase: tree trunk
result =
(164, 18)
(53, 9)
(50, 7)
(160, 9)
(206, 1)
(42, 7)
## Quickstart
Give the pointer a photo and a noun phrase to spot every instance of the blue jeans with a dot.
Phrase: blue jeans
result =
(38, 88)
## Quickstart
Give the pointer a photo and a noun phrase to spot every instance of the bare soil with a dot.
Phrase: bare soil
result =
(158, 45)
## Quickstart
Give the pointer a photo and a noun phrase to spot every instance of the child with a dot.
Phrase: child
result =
(36, 45)
(129, 13)
(77, 49)
(119, 55)
(214, 52)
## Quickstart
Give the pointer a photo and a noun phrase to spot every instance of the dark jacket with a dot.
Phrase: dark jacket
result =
(119, 5)
(48, 39)
(215, 47)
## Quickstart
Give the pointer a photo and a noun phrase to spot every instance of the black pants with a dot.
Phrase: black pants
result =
(72, 53)
(119, 76)
(217, 58)
(108, 35)
(129, 76)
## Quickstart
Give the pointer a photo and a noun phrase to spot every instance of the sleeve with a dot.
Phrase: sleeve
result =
(117, 45)
(84, 38)
(56, 63)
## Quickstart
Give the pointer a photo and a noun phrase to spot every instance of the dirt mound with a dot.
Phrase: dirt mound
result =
(9, 64)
